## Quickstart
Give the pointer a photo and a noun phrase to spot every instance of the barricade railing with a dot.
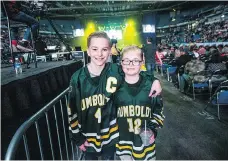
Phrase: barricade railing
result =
(64, 143)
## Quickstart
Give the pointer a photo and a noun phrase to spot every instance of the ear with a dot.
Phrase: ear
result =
(143, 60)
(88, 52)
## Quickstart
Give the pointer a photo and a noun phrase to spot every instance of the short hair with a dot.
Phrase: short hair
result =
(131, 48)
(215, 57)
(98, 34)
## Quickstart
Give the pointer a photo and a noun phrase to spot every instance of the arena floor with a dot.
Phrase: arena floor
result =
(189, 132)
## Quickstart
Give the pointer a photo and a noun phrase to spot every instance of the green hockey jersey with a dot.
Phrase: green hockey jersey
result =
(92, 115)
(134, 107)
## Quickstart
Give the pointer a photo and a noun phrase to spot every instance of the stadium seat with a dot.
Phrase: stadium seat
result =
(171, 71)
(220, 97)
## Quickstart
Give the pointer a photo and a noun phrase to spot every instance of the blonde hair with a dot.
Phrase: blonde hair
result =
(131, 48)
(98, 34)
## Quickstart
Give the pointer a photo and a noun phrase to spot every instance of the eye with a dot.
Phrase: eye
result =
(105, 49)
(94, 49)
(126, 61)
(136, 60)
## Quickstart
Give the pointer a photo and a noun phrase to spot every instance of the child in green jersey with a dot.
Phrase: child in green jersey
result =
(138, 116)
(91, 112)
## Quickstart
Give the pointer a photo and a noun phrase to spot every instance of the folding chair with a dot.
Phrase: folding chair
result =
(171, 71)
(217, 78)
(162, 67)
(200, 85)
(220, 97)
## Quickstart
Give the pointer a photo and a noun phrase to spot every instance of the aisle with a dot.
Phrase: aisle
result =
(187, 132)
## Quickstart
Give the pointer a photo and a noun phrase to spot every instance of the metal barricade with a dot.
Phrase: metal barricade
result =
(63, 140)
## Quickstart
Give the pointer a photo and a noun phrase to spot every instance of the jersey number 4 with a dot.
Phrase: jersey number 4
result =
(134, 126)
(98, 115)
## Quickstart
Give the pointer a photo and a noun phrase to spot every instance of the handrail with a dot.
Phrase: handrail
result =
(10, 154)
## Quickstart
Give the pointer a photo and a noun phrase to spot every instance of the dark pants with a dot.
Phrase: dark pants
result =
(150, 67)
(183, 79)
(114, 58)
(24, 18)
(106, 154)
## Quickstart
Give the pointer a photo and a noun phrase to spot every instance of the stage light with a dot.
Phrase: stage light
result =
(223, 16)
(173, 19)
(130, 32)
(174, 10)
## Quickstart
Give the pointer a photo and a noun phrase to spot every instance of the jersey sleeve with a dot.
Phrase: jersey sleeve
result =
(74, 127)
(157, 118)
(148, 75)
(119, 73)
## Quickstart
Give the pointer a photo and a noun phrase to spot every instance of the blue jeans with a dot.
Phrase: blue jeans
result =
(183, 79)
(30, 21)
(150, 67)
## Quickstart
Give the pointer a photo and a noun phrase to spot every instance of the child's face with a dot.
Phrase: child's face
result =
(99, 51)
(135, 60)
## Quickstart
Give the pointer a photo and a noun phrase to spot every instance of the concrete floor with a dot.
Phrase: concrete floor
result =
(188, 133)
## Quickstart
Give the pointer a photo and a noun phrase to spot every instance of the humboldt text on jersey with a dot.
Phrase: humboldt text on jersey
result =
(94, 101)
(131, 111)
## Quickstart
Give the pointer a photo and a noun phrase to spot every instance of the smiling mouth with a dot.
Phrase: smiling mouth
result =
(99, 58)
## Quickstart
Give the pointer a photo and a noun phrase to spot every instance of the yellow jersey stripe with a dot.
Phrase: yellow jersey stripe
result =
(115, 128)
(152, 148)
(74, 124)
(98, 143)
(158, 121)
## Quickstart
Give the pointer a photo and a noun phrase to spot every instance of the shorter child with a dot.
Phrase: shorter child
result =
(138, 116)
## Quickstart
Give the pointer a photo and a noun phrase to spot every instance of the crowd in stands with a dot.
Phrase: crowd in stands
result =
(51, 40)
(202, 33)
(216, 32)
(194, 62)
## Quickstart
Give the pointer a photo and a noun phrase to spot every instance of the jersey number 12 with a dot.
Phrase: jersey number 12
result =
(134, 126)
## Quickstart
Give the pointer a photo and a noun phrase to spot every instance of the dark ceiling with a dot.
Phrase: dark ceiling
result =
(109, 8)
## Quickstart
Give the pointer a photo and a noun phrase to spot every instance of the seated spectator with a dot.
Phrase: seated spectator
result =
(207, 48)
(159, 56)
(220, 47)
(195, 52)
(177, 53)
(13, 9)
(201, 50)
(212, 48)
(215, 63)
(183, 59)
(191, 70)
(171, 53)
(225, 50)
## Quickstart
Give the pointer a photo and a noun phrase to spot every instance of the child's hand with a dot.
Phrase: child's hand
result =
(83, 146)
(155, 89)
(152, 139)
